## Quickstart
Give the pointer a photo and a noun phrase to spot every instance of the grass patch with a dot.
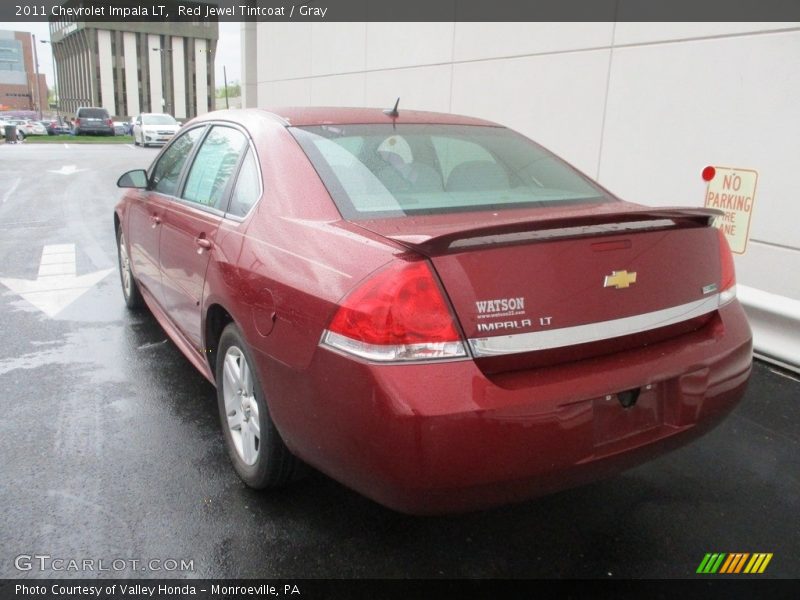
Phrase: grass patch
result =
(79, 139)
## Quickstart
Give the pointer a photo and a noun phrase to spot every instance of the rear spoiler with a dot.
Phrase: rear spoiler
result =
(561, 226)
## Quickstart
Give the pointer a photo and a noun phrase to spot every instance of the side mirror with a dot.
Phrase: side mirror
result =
(133, 179)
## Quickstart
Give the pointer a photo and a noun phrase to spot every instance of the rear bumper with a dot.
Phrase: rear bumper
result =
(445, 437)
(102, 129)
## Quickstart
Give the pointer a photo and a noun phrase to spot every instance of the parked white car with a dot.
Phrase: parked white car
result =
(17, 122)
(154, 128)
(33, 128)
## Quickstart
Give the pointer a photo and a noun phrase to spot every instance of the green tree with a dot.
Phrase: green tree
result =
(234, 90)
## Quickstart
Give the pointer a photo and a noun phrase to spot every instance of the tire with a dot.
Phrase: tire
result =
(260, 457)
(130, 290)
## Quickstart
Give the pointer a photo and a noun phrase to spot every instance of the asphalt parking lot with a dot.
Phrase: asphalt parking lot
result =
(111, 447)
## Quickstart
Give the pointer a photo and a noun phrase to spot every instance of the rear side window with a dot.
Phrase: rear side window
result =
(167, 172)
(247, 189)
(214, 166)
(385, 170)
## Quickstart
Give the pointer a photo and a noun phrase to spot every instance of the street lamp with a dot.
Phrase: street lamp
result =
(165, 106)
(55, 75)
(37, 87)
(212, 91)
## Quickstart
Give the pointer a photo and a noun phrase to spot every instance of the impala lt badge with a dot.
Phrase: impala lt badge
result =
(620, 279)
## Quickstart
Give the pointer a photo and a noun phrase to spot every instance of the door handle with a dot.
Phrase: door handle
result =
(155, 221)
(203, 242)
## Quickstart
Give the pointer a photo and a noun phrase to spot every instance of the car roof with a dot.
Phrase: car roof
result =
(325, 115)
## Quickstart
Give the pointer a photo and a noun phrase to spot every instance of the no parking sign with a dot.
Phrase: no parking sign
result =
(733, 191)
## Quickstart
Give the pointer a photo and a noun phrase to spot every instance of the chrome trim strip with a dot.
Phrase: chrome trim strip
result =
(591, 332)
(393, 354)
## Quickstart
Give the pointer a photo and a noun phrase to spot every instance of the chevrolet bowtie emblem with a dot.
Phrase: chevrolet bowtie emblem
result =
(620, 279)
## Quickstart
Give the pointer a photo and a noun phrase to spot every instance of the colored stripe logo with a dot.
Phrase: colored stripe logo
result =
(734, 563)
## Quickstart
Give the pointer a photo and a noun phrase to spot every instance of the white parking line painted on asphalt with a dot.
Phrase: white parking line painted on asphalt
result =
(68, 170)
(57, 260)
(57, 284)
(151, 345)
(11, 190)
(66, 146)
(130, 146)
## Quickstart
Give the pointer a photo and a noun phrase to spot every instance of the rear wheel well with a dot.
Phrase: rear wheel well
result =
(216, 320)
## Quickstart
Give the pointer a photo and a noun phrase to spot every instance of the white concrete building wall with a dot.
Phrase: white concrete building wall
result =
(156, 84)
(201, 87)
(249, 54)
(131, 75)
(178, 78)
(642, 107)
(105, 61)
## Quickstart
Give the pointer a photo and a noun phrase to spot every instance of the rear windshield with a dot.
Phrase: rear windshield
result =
(93, 113)
(158, 120)
(383, 170)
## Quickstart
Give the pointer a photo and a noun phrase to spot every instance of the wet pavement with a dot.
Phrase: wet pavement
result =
(110, 447)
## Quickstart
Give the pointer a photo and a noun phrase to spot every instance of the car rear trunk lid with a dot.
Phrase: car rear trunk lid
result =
(553, 286)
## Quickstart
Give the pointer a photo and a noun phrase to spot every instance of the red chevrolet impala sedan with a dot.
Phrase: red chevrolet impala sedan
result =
(432, 309)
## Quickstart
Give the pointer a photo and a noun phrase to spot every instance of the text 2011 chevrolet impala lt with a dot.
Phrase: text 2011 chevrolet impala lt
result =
(431, 309)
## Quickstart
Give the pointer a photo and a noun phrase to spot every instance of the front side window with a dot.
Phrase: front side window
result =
(167, 172)
(385, 170)
(214, 166)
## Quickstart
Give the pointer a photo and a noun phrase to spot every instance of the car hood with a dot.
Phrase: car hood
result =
(172, 128)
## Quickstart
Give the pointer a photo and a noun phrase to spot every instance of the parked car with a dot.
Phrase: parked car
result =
(33, 127)
(432, 309)
(92, 120)
(119, 128)
(154, 129)
(55, 126)
(23, 127)
(5, 122)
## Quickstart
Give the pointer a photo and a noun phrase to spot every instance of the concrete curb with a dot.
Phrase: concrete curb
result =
(775, 321)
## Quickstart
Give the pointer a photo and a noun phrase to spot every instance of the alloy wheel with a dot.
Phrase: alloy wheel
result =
(125, 266)
(241, 406)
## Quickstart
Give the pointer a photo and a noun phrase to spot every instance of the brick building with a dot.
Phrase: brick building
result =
(18, 82)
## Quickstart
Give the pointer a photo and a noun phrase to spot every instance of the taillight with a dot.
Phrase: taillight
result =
(77, 121)
(727, 278)
(398, 314)
(110, 122)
